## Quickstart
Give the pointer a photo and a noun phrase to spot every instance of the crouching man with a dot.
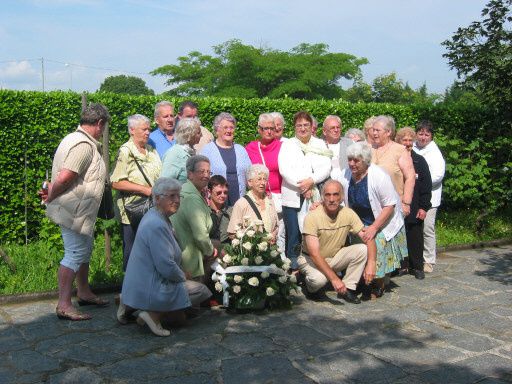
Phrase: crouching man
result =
(324, 253)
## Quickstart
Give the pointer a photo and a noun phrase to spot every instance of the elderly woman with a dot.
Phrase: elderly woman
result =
(368, 130)
(279, 124)
(154, 282)
(394, 159)
(420, 204)
(304, 161)
(227, 158)
(426, 147)
(255, 204)
(370, 193)
(355, 134)
(137, 167)
(187, 134)
(193, 222)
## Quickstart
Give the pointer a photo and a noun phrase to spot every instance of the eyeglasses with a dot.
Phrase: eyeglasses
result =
(267, 128)
(203, 172)
(218, 193)
(305, 125)
(171, 196)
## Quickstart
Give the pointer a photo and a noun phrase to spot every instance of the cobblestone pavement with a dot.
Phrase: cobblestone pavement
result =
(453, 327)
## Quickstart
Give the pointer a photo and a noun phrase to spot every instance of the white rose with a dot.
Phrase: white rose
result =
(293, 278)
(247, 220)
(270, 291)
(264, 274)
(274, 253)
(282, 279)
(245, 261)
(263, 246)
(273, 266)
(254, 281)
(285, 267)
(258, 222)
(218, 287)
(269, 237)
(247, 245)
(226, 259)
(250, 233)
(287, 260)
(239, 233)
(237, 289)
(235, 242)
(238, 278)
(258, 260)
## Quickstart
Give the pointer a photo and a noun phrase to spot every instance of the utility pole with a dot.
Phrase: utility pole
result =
(42, 70)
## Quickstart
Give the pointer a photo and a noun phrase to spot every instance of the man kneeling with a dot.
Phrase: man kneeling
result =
(324, 253)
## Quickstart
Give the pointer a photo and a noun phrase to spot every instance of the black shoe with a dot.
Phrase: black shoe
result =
(403, 271)
(349, 297)
(420, 275)
(314, 296)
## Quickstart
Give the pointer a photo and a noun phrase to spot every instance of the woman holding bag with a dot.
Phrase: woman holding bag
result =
(137, 167)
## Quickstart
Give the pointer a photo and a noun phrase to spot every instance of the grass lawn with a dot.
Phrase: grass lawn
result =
(33, 268)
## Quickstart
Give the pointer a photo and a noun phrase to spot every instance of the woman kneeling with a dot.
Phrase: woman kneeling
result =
(154, 282)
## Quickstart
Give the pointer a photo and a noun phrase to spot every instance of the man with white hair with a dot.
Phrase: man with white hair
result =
(337, 144)
(162, 138)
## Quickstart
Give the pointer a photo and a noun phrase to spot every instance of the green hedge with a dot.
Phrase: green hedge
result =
(33, 123)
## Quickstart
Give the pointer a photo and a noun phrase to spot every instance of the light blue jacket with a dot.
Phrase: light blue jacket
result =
(175, 161)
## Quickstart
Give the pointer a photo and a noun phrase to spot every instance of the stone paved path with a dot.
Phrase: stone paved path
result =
(453, 327)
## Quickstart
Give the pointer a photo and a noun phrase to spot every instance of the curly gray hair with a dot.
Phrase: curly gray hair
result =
(186, 129)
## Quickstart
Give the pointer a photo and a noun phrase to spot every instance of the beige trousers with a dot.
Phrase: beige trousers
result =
(352, 258)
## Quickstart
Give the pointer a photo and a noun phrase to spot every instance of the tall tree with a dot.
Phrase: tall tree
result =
(129, 85)
(482, 56)
(307, 71)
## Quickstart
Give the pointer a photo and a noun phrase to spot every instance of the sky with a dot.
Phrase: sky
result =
(76, 44)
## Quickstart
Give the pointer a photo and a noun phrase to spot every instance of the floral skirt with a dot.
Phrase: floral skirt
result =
(390, 253)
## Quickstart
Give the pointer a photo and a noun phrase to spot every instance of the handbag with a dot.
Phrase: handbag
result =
(136, 209)
(106, 210)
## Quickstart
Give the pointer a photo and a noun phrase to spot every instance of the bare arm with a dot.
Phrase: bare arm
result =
(313, 246)
(61, 185)
(407, 168)
(128, 186)
(369, 232)
(371, 262)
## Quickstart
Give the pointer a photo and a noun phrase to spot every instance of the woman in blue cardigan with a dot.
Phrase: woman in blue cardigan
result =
(228, 159)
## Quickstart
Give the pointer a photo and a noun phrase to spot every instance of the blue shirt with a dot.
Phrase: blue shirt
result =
(159, 141)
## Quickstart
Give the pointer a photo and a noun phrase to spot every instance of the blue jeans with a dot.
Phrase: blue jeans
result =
(77, 249)
(293, 235)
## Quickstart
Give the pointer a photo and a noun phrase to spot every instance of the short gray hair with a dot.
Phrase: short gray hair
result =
(278, 115)
(355, 132)
(254, 170)
(388, 121)
(265, 118)
(361, 151)
(136, 120)
(163, 103)
(163, 185)
(186, 128)
(223, 116)
(192, 161)
(335, 117)
(328, 182)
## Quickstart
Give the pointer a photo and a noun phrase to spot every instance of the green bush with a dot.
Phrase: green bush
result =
(33, 123)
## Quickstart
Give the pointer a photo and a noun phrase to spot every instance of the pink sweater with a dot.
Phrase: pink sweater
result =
(270, 153)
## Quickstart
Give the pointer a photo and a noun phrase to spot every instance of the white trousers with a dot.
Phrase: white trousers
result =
(429, 236)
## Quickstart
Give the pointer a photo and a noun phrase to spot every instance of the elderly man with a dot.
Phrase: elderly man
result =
(189, 109)
(337, 144)
(324, 253)
(73, 199)
(193, 221)
(162, 138)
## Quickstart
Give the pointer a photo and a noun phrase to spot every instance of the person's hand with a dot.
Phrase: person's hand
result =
(308, 194)
(215, 253)
(43, 193)
(406, 209)
(369, 233)
(369, 272)
(147, 190)
(315, 205)
(305, 185)
(338, 285)
(421, 214)
(188, 276)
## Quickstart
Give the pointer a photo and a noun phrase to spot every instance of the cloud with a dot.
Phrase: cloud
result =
(17, 70)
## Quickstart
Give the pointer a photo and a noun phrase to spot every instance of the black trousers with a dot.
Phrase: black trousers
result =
(128, 239)
(414, 233)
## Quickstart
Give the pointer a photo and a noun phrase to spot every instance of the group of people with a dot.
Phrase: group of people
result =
(347, 211)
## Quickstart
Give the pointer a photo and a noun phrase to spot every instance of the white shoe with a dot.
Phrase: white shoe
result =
(156, 328)
(121, 313)
(428, 268)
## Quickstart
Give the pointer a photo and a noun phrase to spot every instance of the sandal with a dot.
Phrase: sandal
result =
(72, 315)
(98, 301)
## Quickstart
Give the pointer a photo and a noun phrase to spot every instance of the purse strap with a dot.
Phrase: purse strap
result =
(141, 169)
(253, 206)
